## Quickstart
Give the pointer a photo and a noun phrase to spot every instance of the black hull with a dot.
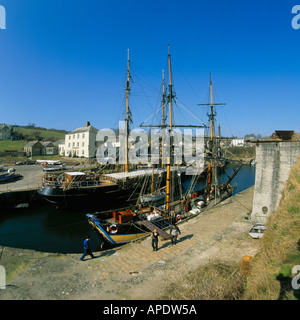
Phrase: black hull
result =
(85, 197)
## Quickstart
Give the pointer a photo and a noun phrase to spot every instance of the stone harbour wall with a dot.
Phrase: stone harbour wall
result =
(273, 163)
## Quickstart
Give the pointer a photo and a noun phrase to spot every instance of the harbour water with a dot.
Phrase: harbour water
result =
(48, 229)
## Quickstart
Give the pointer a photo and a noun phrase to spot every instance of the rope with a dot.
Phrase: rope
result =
(242, 205)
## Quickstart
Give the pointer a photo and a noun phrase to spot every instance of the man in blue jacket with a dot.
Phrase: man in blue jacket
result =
(87, 249)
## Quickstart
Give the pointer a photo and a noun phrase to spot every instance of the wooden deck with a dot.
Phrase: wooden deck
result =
(163, 235)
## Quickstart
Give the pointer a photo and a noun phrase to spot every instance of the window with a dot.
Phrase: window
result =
(73, 144)
(82, 151)
(69, 137)
(83, 135)
(77, 144)
(83, 144)
(69, 144)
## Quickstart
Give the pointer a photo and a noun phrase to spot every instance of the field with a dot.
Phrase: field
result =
(40, 134)
(12, 145)
(24, 134)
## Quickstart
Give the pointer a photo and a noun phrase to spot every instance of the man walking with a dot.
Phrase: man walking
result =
(174, 232)
(155, 238)
(87, 249)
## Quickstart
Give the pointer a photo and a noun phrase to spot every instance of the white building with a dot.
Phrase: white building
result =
(238, 142)
(60, 147)
(81, 142)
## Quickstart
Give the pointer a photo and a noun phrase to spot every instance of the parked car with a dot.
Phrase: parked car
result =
(257, 231)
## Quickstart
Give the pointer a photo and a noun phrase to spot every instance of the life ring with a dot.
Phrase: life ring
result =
(113, 228)
(178, 218)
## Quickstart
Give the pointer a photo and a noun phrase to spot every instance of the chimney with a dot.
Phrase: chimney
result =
(88, 124)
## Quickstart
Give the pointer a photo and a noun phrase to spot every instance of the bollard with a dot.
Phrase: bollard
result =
(246, 265)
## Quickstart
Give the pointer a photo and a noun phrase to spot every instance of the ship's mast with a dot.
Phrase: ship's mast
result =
(170, 88)
(163, 121)
(164, 125)
(128, 112)
(212, 113)
(170, 117)
(212, 145)
(212, 120)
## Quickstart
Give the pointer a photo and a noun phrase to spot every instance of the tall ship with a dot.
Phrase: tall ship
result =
(163, 208)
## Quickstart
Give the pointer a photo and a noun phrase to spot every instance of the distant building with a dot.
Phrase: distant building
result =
(6, 131)
(44, 148)
(34, 148)
(60, 147)
(237, 142)
(49, 148)
(81, 142)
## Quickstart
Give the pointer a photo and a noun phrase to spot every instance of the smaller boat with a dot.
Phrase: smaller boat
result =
(53, 166)
(117, 227)
(9, 175)
(257, 231)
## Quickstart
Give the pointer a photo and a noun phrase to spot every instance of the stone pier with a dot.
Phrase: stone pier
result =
(274, 160)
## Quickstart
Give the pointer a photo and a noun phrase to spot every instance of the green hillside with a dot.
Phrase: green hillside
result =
(10, 145)
(36, 133)
(28, 133)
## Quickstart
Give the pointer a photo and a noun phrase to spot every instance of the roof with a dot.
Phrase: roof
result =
(56, 143)
(284, 134)
(47, 143)
(84, 129)
(2, 125)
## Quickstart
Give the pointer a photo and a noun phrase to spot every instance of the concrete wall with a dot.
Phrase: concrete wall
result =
(273, 163)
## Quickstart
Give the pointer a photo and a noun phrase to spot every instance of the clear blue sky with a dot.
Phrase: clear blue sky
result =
(64, 62)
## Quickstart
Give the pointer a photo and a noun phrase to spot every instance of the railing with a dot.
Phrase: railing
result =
(70, 184)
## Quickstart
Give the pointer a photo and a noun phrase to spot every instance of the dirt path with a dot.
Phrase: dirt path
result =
(133, 271)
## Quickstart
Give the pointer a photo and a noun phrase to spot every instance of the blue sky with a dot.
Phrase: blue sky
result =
(64, 62)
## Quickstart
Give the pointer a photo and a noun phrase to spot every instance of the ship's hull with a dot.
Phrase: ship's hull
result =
(125, 232)
(84, 196)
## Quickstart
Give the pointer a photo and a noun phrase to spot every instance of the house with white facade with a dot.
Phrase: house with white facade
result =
(60, 147)
(81, 142)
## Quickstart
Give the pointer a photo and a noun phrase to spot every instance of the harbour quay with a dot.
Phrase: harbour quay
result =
(23, 190)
